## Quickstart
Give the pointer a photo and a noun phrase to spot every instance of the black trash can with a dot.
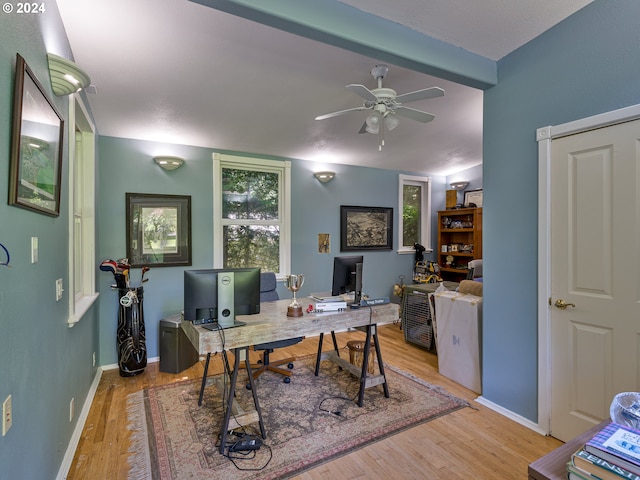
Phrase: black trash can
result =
(131, 339)
(177, 353)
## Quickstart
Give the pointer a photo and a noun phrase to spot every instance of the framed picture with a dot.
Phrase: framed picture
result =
(473, 196)
(158, 230)
(36, 146)
(366, 228)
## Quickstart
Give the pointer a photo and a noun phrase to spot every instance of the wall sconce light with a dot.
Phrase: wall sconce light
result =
(169, 163)
(324, 177)
(459, 185)
(66, 76)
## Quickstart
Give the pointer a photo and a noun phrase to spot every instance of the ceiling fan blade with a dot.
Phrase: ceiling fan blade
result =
(341, 112)
(363, 128)
(414, 114)
(423, 94)
(362, 91)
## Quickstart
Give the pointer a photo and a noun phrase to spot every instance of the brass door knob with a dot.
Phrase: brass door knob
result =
(562, 305)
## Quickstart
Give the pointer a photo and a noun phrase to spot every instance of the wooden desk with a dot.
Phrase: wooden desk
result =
(553, 466)
(272, 324)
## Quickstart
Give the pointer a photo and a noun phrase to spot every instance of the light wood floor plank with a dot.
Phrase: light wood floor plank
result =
(473, 443)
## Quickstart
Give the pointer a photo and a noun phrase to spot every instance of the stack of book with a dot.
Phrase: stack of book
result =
(612, 454)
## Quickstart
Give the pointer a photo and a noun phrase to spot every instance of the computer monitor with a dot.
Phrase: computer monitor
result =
(213, 297)
(347, 276)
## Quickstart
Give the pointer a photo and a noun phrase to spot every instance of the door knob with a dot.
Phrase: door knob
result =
(562, 305)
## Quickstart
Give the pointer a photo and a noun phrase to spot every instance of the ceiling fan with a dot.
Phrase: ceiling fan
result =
(386, 104)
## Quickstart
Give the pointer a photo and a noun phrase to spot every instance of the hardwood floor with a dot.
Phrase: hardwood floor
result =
(472, 443)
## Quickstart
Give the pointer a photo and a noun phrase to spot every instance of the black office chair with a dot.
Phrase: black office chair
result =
(268, 293)
(475, 270)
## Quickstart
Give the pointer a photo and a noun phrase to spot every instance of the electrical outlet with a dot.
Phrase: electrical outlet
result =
(71, 409)
(59, 289)
(7, 415)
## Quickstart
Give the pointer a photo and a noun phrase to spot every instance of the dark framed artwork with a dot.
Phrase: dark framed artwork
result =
(366, 228)
(35, 170)
(158, 230)
(473, 196)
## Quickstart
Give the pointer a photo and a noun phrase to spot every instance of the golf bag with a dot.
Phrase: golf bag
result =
(131, 339)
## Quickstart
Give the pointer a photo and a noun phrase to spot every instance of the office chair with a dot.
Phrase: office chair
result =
(475, 270)
(268, 293)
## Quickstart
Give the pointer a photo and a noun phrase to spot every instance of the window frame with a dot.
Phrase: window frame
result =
(82, 148)
(425, 212)
(283, 168)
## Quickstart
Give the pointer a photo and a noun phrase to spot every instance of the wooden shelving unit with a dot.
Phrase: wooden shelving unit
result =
(460, 231)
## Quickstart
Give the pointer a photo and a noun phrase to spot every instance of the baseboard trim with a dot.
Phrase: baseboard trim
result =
(511, 415)
(77, 431)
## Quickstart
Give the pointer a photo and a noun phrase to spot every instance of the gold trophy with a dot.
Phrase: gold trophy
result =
(294, 283)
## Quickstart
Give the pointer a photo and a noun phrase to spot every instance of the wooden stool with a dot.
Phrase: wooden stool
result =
(356, 354)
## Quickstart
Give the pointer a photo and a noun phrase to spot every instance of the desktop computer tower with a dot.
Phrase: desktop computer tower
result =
(177, 353)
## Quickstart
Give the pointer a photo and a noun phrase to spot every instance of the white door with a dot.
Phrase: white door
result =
(595, 270)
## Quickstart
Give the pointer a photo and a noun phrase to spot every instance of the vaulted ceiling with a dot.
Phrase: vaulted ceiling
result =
(182, 72)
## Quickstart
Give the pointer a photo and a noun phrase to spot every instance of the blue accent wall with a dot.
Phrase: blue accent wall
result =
(584, 66)
(43, 362)
(128, 166)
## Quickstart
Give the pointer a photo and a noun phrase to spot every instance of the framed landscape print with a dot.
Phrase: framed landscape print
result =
(36, 146)
(366, 228)
(158, 230)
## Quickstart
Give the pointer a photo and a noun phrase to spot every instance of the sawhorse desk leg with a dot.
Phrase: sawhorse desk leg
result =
(224, 430)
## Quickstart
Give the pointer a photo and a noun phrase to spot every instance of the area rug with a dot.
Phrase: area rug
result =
(309, 421)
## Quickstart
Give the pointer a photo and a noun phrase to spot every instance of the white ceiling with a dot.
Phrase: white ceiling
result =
(178, 72)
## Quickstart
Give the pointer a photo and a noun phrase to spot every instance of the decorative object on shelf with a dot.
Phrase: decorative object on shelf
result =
(324, 177)
(451, 199)
(426, 272)
(168, 162)
(158, 229)
(293, 284)
(473, 198)
(36, 146)
(366, 228)
(66, 76)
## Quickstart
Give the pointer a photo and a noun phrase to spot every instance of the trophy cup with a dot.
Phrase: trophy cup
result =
(294, 283)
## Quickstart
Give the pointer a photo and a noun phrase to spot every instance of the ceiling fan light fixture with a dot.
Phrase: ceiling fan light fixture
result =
(391, 122)
(373, 123)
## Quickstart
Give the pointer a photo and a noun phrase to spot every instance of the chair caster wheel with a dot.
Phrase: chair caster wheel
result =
(248, 385)
(260, 361)
(286, 380)
(290, 366)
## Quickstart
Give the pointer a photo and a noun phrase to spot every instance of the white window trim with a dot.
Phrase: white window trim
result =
(425, 208)
(79, 116)
(284, 206)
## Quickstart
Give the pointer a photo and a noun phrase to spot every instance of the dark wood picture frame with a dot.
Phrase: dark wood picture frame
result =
(37, 136)
(158, 230)
(473, 196)
(366, 228)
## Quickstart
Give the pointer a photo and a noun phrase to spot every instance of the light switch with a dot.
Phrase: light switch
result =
(34, 249)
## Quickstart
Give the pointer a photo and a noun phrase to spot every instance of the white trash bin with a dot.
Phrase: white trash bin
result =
(458, 319)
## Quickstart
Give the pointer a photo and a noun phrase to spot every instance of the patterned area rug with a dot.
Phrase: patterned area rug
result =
(174, 439)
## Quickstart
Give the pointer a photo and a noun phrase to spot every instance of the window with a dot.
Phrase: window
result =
(81, 211)
(251, 213)
(415, 207)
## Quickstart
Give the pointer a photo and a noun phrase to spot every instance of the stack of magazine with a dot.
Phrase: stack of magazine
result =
(612, 454)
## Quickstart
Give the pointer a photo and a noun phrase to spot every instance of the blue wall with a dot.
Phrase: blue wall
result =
(43, 362)
(127, 166)
(586, 65)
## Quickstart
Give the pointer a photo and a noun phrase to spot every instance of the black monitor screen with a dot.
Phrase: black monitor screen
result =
(204, 304)
(345, 276)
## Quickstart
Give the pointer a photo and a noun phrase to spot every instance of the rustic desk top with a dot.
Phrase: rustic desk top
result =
(272, 324)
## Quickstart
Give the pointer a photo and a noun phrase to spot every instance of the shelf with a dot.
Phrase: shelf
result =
(467, 236)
